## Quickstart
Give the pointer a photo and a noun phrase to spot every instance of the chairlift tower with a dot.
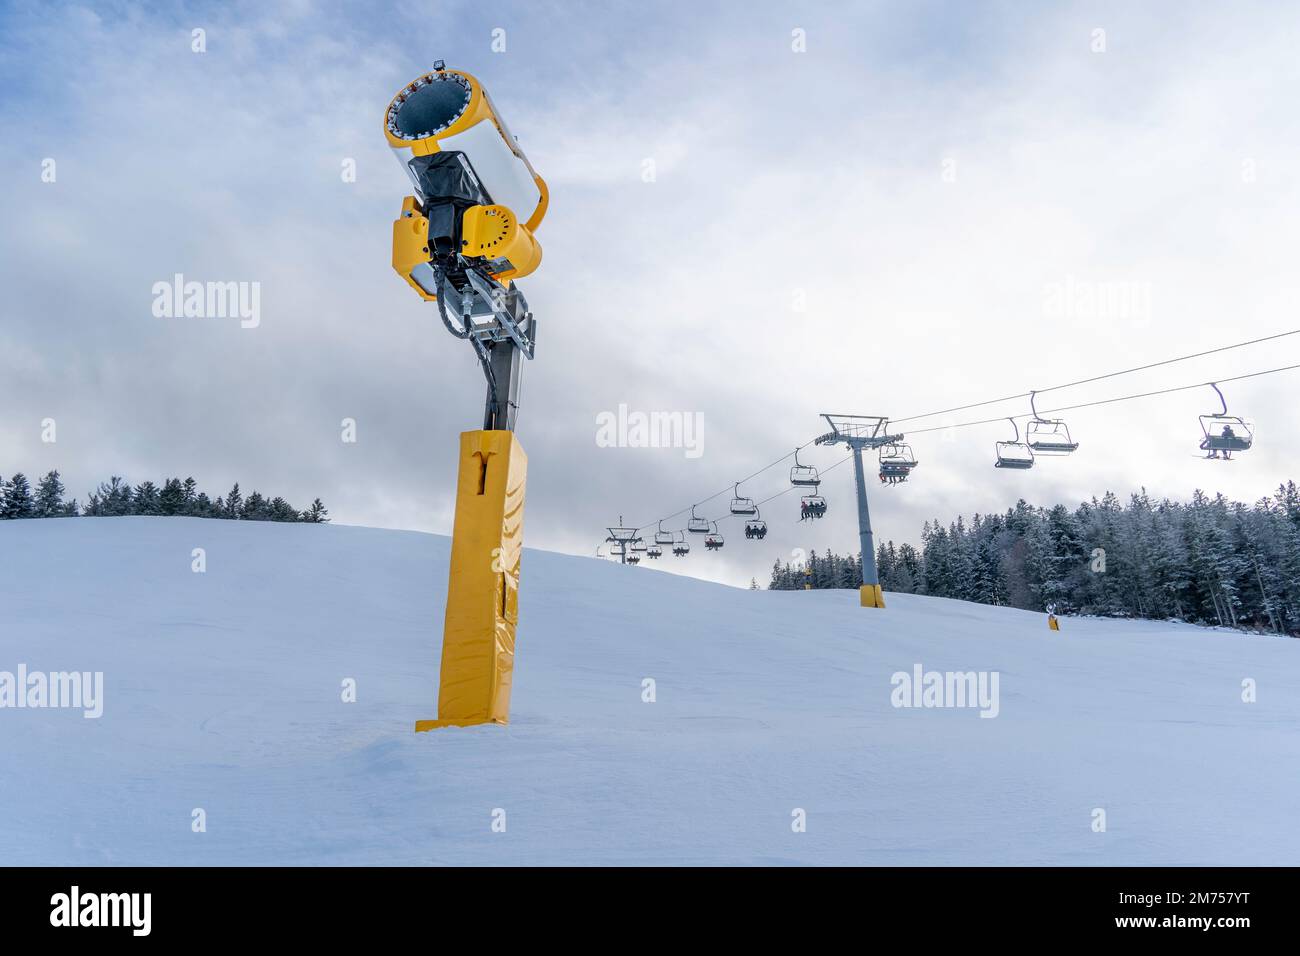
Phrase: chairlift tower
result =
(859, 432)
(622, 537)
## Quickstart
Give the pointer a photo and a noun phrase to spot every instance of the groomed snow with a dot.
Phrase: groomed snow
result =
(223, 692)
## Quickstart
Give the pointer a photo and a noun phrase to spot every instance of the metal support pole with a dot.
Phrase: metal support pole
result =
(869, 574)
(502, 408)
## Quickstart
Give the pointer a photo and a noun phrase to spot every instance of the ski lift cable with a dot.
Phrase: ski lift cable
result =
(760, 504)
(1109, 401)
(1053, 388)
(730, 487)
(1097, 378)
(787, 489)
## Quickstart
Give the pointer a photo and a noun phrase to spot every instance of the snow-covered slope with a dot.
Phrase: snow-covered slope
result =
(223, 692)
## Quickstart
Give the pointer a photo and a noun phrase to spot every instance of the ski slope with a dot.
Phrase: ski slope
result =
(222, 691)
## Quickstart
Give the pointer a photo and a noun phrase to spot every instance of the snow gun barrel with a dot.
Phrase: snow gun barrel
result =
(479, 198)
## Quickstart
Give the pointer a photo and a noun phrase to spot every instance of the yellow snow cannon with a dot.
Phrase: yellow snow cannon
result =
(478, 201)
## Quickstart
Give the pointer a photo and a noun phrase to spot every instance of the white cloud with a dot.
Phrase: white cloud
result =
(775, 173)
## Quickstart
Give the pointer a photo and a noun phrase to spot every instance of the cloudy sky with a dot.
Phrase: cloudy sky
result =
(885, 208)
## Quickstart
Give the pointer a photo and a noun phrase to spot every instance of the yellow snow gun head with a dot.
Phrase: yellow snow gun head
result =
(478, 201)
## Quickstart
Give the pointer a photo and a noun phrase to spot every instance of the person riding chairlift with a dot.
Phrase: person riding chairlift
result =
(1228, 435)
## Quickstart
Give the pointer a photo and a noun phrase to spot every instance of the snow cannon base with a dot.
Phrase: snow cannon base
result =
(478, 643)
(422, 725)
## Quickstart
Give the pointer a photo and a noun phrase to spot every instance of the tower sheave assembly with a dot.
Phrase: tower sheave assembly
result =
(461, 242)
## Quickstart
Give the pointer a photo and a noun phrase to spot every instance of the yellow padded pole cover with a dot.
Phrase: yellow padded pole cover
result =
(478, 640)
(871, 595)
(1053, 623)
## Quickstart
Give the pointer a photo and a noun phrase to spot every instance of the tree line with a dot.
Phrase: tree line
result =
(175, 496)
(1209, 561)
(818, 572)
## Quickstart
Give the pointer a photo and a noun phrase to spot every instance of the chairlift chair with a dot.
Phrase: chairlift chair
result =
(654, 551)
(742, 506)
(663, 537)
(714, 541)
(811, 506)
(756, 527)
(681, 547)
(803, 476)
(1048, 436)
(639, 545)
(896, 462)
(1014, 454)
(1225, 433)
(697, 525)
(633, 559)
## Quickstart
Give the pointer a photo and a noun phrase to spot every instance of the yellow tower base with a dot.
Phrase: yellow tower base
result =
(478, 638)
(871, 595)
(1053, 623)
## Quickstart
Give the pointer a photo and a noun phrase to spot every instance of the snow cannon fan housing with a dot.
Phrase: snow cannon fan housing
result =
(478, 201)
